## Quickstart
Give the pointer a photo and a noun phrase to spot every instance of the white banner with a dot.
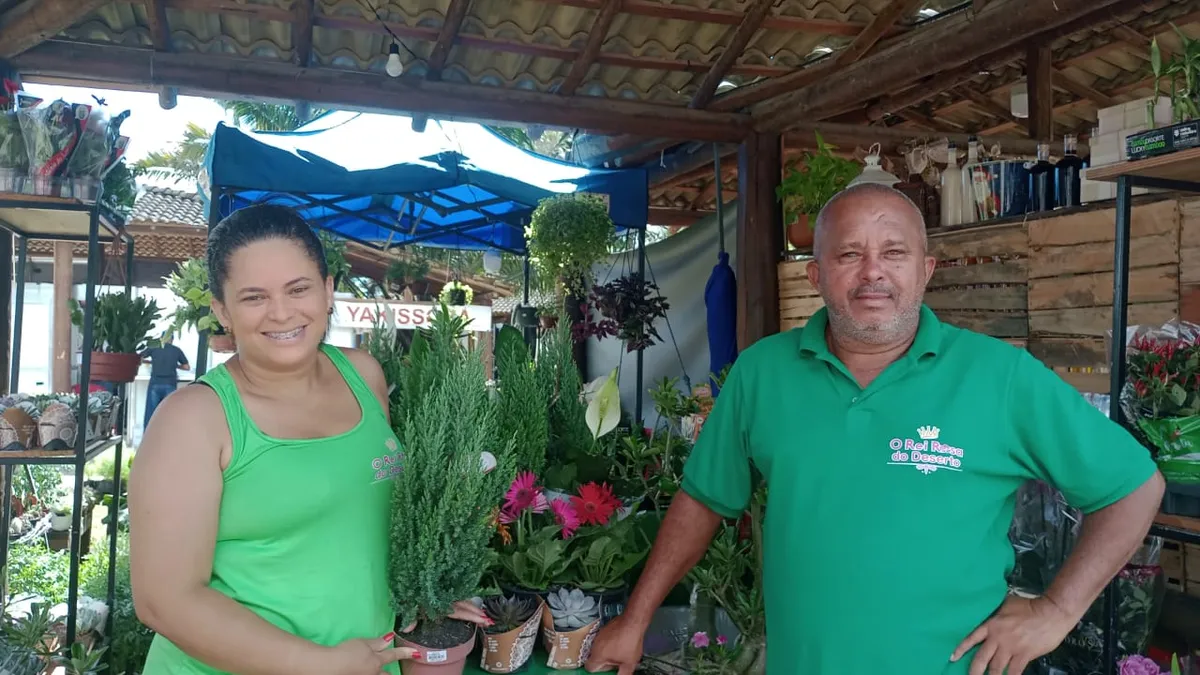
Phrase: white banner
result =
(409, 316)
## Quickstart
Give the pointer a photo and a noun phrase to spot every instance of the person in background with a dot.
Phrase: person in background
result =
(876, 425)
(164, 378)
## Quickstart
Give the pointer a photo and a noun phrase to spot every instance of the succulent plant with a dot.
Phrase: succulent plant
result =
(571, 609)
(508, 612)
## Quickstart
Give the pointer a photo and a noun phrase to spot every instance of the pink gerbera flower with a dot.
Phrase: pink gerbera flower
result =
(522, 493)
(721, 640)
(565, 516)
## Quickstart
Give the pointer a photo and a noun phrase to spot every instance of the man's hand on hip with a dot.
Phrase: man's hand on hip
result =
(1019, 632)
(618, 645)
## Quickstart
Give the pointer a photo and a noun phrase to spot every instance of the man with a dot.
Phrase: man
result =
(893, 446)
(164, 379)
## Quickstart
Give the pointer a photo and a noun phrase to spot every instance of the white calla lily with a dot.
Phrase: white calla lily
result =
(604, 404)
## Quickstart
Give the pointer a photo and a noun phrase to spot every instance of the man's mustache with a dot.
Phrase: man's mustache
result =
(874, 289)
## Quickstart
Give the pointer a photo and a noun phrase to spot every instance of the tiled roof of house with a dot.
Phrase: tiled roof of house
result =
(507, 305)
(162, 206)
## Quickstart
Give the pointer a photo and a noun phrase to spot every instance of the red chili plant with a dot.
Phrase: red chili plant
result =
(1164, 377)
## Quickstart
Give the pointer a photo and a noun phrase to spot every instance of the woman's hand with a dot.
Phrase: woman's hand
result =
(365, 657)
(465, 610)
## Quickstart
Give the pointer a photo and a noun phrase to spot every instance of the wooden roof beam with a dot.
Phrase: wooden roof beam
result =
(881, 24)
(945, 44)
(679, 12)
(1062, 81)
(988, 105)
(36, 21)
(222, 76)
(753, 18)
(160, 37)
(596, 37)
(455, 13)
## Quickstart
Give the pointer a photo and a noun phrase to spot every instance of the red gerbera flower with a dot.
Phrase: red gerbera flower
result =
(595, 504)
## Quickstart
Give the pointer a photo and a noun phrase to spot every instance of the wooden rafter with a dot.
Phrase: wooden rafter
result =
(24, 28)
(455, 13)
(1039, 68)
(156, 19)
(1064, 82)
(879, 26)
(302, 32)
(1065, 107)
(988, 105)
(946, 44)
(347, 90)
(753, 18)
(583, 63)
(679, 12)
(1132, 38)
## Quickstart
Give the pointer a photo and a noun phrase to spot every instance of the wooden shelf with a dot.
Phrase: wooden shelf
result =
(45, 217)
(1183, 165)
(1178, 522)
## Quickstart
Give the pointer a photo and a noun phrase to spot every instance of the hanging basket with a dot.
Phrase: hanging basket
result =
(109, 367)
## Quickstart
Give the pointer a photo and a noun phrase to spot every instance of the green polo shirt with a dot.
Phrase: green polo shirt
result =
(886, 534)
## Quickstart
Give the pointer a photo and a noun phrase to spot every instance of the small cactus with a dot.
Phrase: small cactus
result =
(571, 609)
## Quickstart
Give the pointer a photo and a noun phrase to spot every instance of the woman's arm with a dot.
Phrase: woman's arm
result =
(174, 499)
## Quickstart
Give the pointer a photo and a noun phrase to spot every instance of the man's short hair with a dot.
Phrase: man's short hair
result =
(865, 190)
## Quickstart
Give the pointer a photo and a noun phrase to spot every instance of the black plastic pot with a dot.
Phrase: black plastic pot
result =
(525, 317)
(1182, 499)
(612, 603)
(457, 297)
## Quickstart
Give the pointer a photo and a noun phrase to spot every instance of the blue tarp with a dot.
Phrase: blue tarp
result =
(372, 179)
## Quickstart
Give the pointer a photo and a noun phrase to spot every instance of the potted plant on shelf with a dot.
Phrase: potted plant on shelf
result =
(442, 490)
(807, 185)
(121, 326)
(567, 235)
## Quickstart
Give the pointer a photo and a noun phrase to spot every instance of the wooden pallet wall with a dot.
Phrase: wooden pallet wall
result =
(979, 283)
(1071, 285)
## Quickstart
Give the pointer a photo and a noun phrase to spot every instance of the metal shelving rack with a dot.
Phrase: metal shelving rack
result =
(1180, 172)
(72, 220)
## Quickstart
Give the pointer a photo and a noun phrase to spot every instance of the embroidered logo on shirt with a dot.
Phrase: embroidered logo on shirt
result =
(389, 465)
(927, 452)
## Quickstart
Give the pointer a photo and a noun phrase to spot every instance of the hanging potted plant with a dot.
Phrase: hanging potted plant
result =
(629, 306)
(335, 259)
(441, 490)
(547, 317)
(457, 294)
(808, 185)
(120, 327)
(567, 235)
(189, 283)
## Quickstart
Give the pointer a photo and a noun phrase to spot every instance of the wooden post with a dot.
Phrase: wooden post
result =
(60, 368)
(1039, 68)
(759, 237)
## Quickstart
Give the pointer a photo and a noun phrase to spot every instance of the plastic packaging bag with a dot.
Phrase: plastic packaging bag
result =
(1161, 395)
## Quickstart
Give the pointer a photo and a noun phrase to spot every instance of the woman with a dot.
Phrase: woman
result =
(259, 534)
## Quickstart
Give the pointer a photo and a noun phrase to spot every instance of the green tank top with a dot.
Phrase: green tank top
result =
(302, 539)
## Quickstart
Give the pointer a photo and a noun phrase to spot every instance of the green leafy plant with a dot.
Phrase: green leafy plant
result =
(82, 660)
(813, 181)
(189, 283)
(129, 641)
(1182, 72)
(609, 553)
(120, 324)
(630, 305)
(335, 259)
(442, 500)
(567, 235)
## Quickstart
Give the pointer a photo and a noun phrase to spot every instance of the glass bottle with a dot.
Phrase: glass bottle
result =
(969, 169)
(952, 190)
(1067, 172)
(1041, 175)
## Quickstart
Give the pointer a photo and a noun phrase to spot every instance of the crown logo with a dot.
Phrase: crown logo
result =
(928, 432)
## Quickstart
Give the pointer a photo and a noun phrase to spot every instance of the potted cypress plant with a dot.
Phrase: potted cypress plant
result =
(807, 185)
(121, 326)
(442, 501)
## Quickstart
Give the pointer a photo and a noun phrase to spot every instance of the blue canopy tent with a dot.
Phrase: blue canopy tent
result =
(372, 180)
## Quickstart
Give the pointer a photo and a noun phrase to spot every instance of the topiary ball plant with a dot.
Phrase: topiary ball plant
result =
(567, 235)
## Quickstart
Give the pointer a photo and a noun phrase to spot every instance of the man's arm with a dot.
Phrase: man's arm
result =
(1107, 540)
(683, 538)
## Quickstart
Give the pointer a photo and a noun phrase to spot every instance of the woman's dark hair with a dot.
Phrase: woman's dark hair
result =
(255, 223)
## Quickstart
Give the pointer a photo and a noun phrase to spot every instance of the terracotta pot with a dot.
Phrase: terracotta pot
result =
(222, 344)
(548, 322)
(120, 368)
(799, 234)
(450, 661)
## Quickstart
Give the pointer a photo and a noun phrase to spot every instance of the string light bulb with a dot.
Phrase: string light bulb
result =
(395, 67)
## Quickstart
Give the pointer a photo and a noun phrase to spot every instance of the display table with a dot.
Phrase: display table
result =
(536, 666)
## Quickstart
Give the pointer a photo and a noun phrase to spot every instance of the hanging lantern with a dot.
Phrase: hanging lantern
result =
(492, 261)
(1018, 98)
(873, 172)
